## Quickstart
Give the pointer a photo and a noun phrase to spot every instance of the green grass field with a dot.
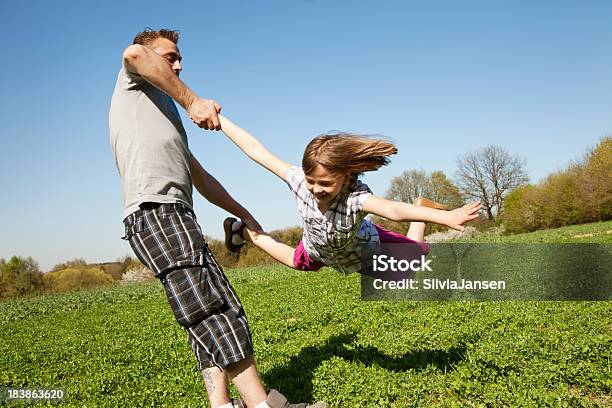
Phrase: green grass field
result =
(599, 232)
(315, 339)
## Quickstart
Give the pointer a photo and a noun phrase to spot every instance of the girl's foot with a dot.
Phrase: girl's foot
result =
(424, 202)
(233, 234)
(416, 231)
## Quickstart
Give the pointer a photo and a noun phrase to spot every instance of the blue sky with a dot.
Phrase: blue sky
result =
(438, 78)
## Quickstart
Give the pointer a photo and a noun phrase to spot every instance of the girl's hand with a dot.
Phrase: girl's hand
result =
(204, 113)
(459, 216)
(252, 224)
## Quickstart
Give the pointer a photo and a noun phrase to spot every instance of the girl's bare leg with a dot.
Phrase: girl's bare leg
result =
(278, 250)
(416, 231)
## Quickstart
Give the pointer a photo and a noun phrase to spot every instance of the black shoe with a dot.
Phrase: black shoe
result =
(227, 227)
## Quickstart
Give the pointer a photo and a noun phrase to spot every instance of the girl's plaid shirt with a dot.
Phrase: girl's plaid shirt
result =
(339, 236)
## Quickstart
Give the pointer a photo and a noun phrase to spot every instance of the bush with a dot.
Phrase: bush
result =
(75, 279)
(120, 267)
(137, 274)
(114, 269)
(75, 263)
(225, 258)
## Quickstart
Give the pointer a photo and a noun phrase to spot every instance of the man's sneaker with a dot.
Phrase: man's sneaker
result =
(238, 403)
(229, 234)
(424, 202)
(277, 400)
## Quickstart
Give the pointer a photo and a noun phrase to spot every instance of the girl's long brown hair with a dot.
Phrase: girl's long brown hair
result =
(346, 153)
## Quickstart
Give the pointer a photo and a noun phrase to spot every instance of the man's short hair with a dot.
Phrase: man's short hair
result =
(149, 35)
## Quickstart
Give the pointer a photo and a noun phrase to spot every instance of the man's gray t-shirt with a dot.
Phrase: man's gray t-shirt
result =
(149, 144)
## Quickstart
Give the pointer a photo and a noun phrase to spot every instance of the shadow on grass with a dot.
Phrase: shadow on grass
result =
(294, 379)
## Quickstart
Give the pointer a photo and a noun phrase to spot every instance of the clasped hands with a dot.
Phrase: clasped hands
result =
(205, 113)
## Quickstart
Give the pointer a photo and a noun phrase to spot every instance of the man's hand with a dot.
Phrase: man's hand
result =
(205, 113)
(459, 216)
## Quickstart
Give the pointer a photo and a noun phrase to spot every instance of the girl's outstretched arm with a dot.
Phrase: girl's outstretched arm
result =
(399, 211)
(253, 148)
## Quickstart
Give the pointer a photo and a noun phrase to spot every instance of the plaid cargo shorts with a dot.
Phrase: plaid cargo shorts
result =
(168, 240)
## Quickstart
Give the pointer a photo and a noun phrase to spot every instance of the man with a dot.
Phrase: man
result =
(158, 173)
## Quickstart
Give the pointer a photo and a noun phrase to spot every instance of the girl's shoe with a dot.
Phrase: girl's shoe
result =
(424, 202)
(229, 234)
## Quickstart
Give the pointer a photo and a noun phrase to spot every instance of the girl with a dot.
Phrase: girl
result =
(333, 203)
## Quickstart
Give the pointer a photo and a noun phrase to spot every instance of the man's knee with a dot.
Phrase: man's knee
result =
(235, 369)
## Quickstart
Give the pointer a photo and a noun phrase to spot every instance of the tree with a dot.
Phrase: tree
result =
(408, 186)
(523, 209)
(596, 181)
(412, 184)
(489, 175)
(581, 193)
(19, 277)
(444, 191)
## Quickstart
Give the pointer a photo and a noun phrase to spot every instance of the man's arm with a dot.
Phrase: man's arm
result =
(214, 192)
(155, 69)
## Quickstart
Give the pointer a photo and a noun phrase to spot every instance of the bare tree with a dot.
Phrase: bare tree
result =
(412, 184)
(409, 185)
(489, 175)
